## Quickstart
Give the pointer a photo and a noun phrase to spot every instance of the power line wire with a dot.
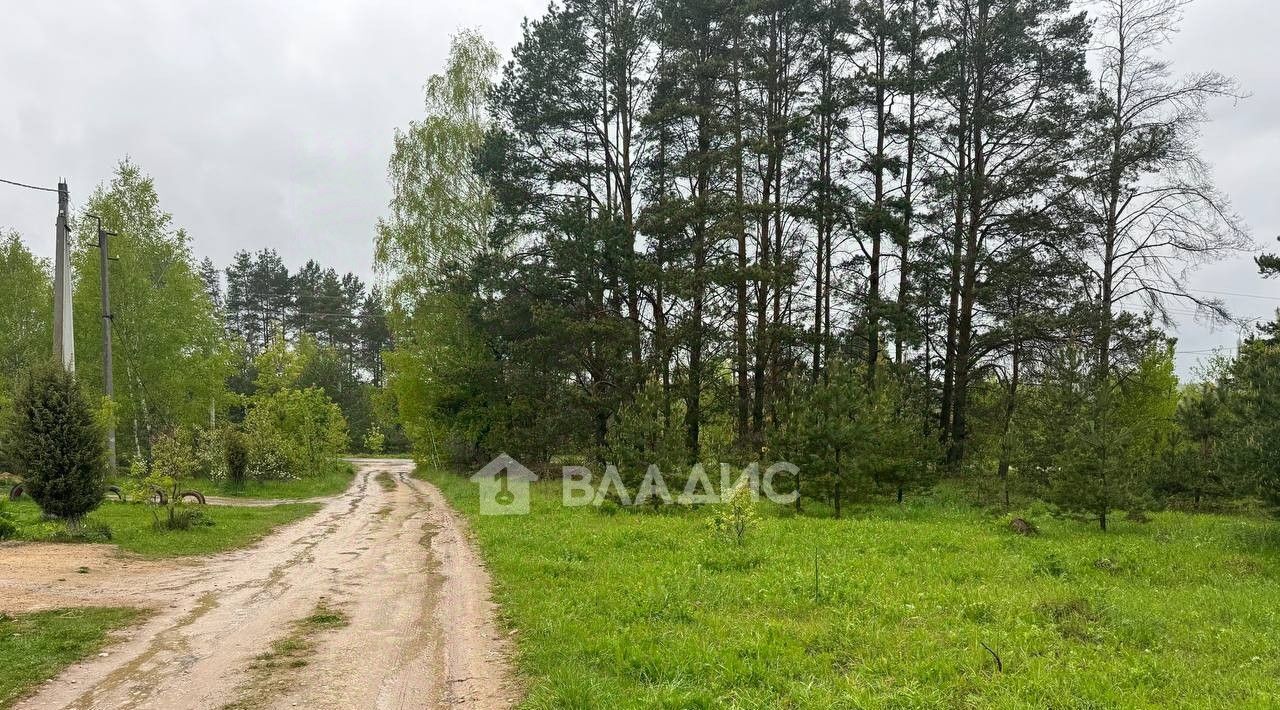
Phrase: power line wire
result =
(1209, 351)
(29, 187)
(1222, 293)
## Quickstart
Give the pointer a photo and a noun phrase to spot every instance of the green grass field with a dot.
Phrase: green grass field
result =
(131, 527)
(37, 646)
(645, 610)
(332, 481)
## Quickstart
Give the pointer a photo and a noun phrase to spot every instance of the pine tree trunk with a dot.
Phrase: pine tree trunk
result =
(740, 228)
(878, 207)
(904, 270)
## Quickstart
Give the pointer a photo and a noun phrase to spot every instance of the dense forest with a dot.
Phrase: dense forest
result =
(890, 241)
(887, 240)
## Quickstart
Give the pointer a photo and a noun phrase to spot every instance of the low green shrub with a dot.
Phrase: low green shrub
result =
(8, 528)
(268, 457)
(736, 514)
(237, 455)
(182, 517)
(173, 462)
(375, 442)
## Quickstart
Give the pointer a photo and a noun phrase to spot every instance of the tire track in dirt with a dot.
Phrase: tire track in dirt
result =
(396, 562)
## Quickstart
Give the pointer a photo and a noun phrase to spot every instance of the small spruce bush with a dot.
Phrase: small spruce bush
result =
(56, 443)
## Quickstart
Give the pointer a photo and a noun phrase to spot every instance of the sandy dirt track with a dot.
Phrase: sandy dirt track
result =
(396, 562)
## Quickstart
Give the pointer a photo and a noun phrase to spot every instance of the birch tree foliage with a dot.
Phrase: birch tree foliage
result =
(440, 206)
(26, 308)
(171, 356)
(26, 319)
(440, 218)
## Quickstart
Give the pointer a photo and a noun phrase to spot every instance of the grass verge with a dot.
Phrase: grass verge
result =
(890, 607)
(35, 647)
(332, 481)
(131, 527)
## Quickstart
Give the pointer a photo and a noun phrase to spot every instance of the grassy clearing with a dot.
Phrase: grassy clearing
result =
(269, 672)
(131, 527)
(332, 481)
(645, 610)
(35, 647)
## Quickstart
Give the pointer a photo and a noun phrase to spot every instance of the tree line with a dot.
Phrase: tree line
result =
(892, 239)
(261, 300)
(334, 323)
(191, 340)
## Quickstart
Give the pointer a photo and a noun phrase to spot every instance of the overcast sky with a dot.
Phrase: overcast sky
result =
(268, 123)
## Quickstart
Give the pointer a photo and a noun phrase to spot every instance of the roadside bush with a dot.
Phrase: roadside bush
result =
(293, 433)
(237, 457)
(56, 443)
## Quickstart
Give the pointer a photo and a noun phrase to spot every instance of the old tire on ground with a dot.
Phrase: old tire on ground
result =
(115, 491)
(15, 492)
(158, 496)
(196, 495)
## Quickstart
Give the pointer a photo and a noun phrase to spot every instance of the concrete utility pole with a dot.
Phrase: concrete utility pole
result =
(64, 343)
(108, 379)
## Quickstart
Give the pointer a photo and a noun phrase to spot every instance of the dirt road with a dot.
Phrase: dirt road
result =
(389, 555)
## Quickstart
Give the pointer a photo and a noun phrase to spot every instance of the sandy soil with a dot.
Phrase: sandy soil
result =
(396, 562)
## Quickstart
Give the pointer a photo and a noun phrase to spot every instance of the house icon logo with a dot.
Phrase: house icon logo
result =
(504, 486)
